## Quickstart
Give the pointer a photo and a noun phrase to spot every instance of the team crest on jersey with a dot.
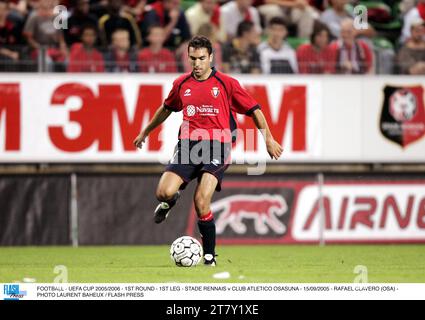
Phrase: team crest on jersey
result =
(215, 92)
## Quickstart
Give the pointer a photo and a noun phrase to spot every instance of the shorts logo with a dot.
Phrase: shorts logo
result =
(215, 162)
(187, 93)
(215, 92)
(190, 110)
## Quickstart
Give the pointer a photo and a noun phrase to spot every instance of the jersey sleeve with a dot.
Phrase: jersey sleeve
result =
(242, 102)
(173, 101)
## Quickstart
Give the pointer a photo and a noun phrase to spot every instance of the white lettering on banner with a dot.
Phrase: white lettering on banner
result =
(362, 212)
(38, 124)
(315, 119)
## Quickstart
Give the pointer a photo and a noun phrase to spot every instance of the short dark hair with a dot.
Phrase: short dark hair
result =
(243, 27)
(317, 29)
(88, 26)
(199, 42)
(277, 20)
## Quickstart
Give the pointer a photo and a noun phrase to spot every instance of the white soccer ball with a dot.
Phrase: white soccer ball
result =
(186, 252)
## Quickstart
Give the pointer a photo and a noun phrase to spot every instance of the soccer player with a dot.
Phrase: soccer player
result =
(208, 99)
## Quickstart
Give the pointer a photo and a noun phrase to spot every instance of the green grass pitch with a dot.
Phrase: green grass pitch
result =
(246, 264)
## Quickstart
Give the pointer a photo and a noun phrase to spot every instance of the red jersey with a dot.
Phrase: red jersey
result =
(209, 105)
(162, 61)
(311, 60)
(81, 60)
(360, 56)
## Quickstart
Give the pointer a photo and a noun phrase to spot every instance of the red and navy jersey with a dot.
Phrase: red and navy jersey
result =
(209, 106)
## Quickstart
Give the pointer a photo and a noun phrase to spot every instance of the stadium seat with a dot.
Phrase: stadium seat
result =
(384, 18)
(378, 12)
(295, 42)
(185, 4)
(382, 43)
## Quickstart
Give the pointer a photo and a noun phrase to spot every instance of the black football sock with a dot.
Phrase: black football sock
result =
(207, 230)
(173, 200)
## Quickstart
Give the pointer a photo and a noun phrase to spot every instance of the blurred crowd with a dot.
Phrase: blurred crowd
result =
(249, 36)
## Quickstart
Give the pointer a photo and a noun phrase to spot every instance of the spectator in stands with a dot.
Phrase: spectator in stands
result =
(413, 15)
(405, 6)
(276, 55)
(79, 18)
(318, 4)
(240, 54)
(236, 11)
(156, 58)
(41, 33)
(115, 19)
(84, 57)
(295, 12)
(167, 14)
(208, 30)
(18, 10)
(136, 8)
(348, 55)
(203, 12)
(98, 7)
(334, 16)
(313, 57)
(10, 38)
(121, 57)
(411, 57)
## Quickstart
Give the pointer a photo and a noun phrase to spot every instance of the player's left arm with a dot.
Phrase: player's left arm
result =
(273, 147)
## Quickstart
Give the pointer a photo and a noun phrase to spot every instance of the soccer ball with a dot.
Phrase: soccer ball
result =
(186, 251)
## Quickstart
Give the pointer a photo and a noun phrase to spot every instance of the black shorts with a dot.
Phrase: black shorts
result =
(192, 158)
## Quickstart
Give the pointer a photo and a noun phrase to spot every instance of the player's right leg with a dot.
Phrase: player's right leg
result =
(202, 199)
(167, 193)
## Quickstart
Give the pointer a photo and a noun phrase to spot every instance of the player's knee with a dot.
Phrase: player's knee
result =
(164, 193)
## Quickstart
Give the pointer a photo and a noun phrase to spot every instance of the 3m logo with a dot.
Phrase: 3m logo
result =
(264, 210)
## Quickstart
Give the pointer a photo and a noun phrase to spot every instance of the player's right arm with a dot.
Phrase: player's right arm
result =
(159, 117)
(171, 103)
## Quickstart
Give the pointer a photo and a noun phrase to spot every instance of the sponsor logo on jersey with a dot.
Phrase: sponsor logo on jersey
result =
(204, 110)
(190, 110)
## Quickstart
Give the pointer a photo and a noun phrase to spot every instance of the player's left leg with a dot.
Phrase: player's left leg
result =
(206, 224)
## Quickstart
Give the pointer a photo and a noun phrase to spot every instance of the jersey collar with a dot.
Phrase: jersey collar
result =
(211, 75)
